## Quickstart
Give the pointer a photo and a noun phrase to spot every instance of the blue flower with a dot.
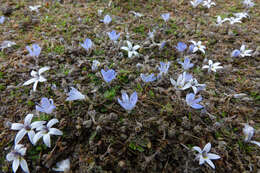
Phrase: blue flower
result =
(35, 51)
(235, 53)
(186, 65)
(2, 19)
(191, 47)
(166, 16)
(113, 36)
(191, 101)
(107, 19)
(87, 44)
(74, 94)
(163, 68)
(181, 46)
(148, 78)
(162, 44)
(126, 103)
(46, 106)
(108, 75)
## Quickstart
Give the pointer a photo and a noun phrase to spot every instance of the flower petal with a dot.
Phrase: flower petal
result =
(31, 135)
(54, 131)
(10, 156)
(196, 148)
(43, 69)
(210, 163)
(24, 165)
(15, 165)
(37, 136)
(212, 156)
(19, 136)
(17, 126)
(207, 147)
(30, 81)
(47, 140)
(28, 119)
(52, 122)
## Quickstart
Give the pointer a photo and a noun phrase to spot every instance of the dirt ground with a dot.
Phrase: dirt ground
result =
(158, 135)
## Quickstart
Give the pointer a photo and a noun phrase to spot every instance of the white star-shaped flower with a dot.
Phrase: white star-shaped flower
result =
(244, 52)
(26, 128)
(17, 157)
(132, 50)
(198, 46)
(208, 3)
(212, 66)
(35, 8)
(234, 20)
(46, 132)
(220, 21)
(62, 166)
(37, 77)
(204, 155)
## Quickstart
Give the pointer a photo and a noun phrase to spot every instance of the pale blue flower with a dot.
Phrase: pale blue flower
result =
(2, 19)
(148, 78)
(74, 94)
(107, 19)
(35, 51)
(186, 65)
(108, 75)
(191, 47)
(46, 106)
(181, 46)
(163, 68)
(113, 36)
(235, 53)
(192, 102)
(87, 44)
(126, 103)
(166, 16)
(162, 44)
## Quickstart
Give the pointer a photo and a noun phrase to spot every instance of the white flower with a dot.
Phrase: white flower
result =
(37, 77)
(198, 46)
(130, 49)
(62, 166)
(212, 66)
(203, 155)
(17, 157)
(248, 3)
(136, 14)
(249, 133)
(74, 94)
(95, 65)
(234, 20)
(220, 21)
(26, 128)
(195, 3)
(183, 81)
(241, 15)
(244, 52)
(6, 44)
(35, 8)
(46, 132)
(208, 3)
(196, 86)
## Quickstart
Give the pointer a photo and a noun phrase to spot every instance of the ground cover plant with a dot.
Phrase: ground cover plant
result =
(129, 86)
